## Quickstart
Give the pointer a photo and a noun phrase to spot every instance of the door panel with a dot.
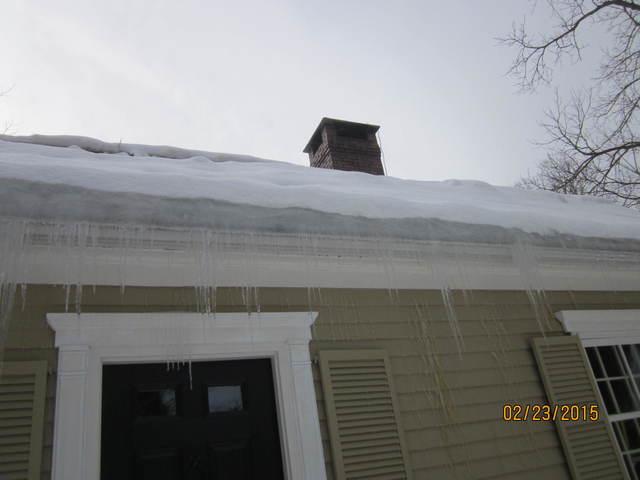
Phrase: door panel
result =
(219, 423)
(159, 464)
(230, 460)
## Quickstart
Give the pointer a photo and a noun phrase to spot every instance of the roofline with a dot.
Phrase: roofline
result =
(325, 120)
(343, 262)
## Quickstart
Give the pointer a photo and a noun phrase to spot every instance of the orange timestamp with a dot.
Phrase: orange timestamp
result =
(516, 412)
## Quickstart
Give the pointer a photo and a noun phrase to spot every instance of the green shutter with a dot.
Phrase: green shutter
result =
(362, 415)
(590, 447)
(22, 395)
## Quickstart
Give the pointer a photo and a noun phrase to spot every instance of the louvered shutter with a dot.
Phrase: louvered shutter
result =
(590, 447)
(362, 415)
(22, 395)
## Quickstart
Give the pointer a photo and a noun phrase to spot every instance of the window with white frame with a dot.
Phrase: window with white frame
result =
(617, 372)
(612, 341)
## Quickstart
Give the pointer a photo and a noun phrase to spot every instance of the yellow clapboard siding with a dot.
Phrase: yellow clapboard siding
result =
(510, 310)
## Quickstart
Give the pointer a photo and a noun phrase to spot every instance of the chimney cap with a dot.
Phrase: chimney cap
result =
(344, 125)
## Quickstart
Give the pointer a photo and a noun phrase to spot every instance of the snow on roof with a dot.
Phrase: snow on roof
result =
(78, 178)
(98, 146)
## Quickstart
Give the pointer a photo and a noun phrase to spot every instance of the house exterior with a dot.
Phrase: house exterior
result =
(151, 350)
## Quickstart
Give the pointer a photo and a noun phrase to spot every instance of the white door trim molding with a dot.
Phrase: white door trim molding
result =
(87, 341)
(602, 327)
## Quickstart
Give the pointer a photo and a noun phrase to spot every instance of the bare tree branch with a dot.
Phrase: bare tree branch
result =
(592, 144)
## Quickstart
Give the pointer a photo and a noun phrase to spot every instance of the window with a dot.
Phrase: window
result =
(156, 402)
(611, 340)
(225, 398)
(617, 372)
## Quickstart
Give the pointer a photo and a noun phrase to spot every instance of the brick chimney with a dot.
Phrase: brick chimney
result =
(343, 145)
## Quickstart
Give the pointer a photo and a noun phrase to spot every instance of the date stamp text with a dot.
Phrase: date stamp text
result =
(516, 412)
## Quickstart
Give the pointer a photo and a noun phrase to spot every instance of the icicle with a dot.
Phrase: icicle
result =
(23, 295)
(309, 300)
(7, 296)
(124, 253)
(526, 262)
(67, 292)
(78, 298)
(538, 309)
(452, 317)
(432, 365)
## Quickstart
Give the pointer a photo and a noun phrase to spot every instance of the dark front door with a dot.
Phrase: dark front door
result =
(213, 421)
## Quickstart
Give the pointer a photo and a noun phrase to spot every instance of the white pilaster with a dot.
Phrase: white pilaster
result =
(69, 423)
(307, 411)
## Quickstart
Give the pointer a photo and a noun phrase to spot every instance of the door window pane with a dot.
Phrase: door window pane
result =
(225, 398)
(156, 403)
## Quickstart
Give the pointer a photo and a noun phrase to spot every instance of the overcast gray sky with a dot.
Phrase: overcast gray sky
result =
(255, 77)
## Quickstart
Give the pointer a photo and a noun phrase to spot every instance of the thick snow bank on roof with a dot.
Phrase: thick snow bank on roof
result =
(169, 186)
(133, 149)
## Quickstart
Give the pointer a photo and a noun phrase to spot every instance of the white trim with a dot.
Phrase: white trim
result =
(411, 266)
(602, 327)
(97, 254)
(88, 341)
(618, 417)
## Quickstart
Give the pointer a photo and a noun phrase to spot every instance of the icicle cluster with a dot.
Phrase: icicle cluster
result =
(84, 247)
